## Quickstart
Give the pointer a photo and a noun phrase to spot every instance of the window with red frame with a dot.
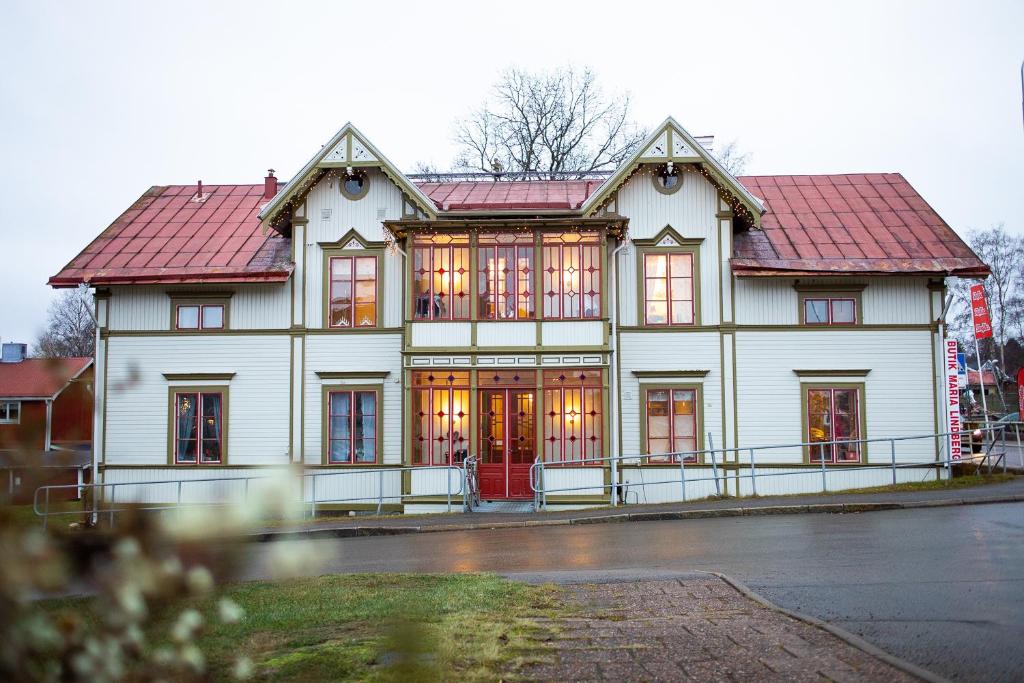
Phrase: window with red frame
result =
(830, 311)
(353, 291)
(440, 277)
(833, 415)
(440, 417)
(506, 269)
(668, 289)
(199, 317)
(671, 424)
(198, 435)
(352, 427)
(572, 275)
(573, 416)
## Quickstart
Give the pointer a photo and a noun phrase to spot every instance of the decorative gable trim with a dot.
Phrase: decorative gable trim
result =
(352, 240)
(668, 237)
(347, 148)
(671, 143)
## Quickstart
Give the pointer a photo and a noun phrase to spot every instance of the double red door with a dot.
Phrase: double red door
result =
(507, 443)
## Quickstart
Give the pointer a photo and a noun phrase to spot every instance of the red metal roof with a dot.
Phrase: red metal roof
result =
(528, 194)
(39, 377)
(169, 236)
(850, 224)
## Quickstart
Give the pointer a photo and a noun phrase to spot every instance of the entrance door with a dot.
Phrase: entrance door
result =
(506, 442)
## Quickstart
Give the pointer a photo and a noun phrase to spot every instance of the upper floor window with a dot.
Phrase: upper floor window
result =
(10, 412)
(671, 424)
(441, 277)
(352, 299)
(352, 427)
(668, 279)
(572, 275)
(199, 426)
(826, 310)
(505, 263)
(199, 316)
(834, 423)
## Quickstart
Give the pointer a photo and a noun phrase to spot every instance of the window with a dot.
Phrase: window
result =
(671, 424)
(441, 278)
(351, 427)
(667, 182)
(355, 185)
(506, 271)
(352, 299)
(440, 417)
(834, 415)
(10, 412)
(200, 315)
(199, 427)
(668, 288)
(830, 311)
(573, 415)
(572, 275)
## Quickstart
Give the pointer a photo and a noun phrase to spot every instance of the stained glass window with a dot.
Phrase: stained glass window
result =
(441, 277)
(572, 275)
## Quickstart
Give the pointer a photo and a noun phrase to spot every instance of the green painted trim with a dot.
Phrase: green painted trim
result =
(198, 294)
(351, 196)
(198, 376)
(684, 246)
(832, 373)
(327, 253)
(352, 375)
(670, 373)
(291, 400)
(325, 392)
(863, 408)
(352, 234)
(224, 424)
(698, 407)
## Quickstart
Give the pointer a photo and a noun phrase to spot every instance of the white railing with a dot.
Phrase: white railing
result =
(991, 434)
(238, 490)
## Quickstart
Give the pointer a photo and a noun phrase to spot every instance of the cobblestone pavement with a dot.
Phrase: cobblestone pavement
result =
(694, 629)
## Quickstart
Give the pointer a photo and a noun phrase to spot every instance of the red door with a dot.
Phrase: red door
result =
(506, 443)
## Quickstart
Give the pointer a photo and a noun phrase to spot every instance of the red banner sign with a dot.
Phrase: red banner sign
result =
(1020, 394)
(953, 424)
(979, 309)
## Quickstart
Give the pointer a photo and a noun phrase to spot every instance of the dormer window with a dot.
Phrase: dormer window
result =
(668, 179)
(193, 313)
(355, 185)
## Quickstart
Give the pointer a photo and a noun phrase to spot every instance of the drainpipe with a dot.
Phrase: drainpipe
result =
(48, 438)
(614, 368)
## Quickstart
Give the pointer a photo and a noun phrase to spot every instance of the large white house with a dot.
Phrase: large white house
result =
(357, 317)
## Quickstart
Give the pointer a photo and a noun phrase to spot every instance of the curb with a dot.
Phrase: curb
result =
(846, 636)
(657, 516)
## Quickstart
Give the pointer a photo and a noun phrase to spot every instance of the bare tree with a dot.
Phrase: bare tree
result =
(545, 123)
(733, 159)
(70, 329)
(1004, 288)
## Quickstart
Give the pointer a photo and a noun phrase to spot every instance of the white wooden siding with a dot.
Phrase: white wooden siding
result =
(506, 334)
(899, 392)
(691, 211)
(137, 399)
(441, 335)
(886, 301)
(577, 333)
(650, 351)
(354, 353)
(148, 308)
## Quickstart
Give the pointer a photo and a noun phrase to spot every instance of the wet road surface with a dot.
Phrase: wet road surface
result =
(942, 588)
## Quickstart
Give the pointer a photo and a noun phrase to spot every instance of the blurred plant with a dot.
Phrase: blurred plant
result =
(144, 578)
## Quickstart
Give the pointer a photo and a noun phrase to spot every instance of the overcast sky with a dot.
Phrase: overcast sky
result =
(101, 100)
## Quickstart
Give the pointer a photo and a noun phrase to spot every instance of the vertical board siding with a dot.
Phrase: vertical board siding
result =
(886, 301)
(574, 481)
(137, 402)
(579, 333)
(354, 353)
(664, 484)
(898, 390)
(148, 307)
(692, 213)
(441, 335)
(506, 334)
(669, 351)
(383, 201)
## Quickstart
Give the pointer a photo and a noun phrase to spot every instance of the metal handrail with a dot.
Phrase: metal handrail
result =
(541, 491)
(449, 492)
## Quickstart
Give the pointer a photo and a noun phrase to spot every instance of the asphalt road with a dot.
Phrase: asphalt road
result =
(942, 588)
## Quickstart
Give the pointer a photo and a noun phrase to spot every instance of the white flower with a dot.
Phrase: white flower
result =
(199, 580)
(188, 622)
(193, 657)
(229, 611)
(243, 668)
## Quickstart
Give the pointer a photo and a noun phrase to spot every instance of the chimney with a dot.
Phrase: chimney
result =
(199, 189)
(269, 185)
(13, 353)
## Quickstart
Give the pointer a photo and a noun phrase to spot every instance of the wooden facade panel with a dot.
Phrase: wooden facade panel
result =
(251, 307)
(441, 335)
(506, 334)
(137, 410)
(579, 333)
(898, 398)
